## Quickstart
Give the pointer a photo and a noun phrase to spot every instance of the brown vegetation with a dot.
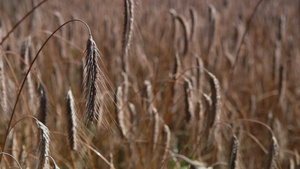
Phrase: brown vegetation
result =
(150, 84)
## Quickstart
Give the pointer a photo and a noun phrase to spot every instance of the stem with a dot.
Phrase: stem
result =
(52, 160)
(244, 35)
(236, 56)
(24, 80)
(20, 21)
(28, 116)
(98, 153)
(3, 153)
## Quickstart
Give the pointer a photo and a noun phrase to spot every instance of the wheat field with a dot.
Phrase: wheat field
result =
(150, 84)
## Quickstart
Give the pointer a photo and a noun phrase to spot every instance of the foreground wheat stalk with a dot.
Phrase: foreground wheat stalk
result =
(27, 73)
(92, 81)
(72, 120)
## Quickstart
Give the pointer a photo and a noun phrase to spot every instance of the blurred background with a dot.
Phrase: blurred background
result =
(202, 75)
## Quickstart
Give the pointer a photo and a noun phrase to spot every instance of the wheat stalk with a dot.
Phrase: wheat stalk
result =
(0, 29)
(276, 61)
(273, 154)
(63, 34)
(150, 98)
(194, 22)
(54, 163)
(43, 105)
(120, 112)
(189, 108)
(282, 84)
(212, 29)
(233, 154)
(22, 155)
(25, 53)
(4, 97)
(93, 81)
(133, 115)
(156, 126)
(200, 74)
(167, 136)
(127, 33)
(72, 120)
(44, 145)
(7, 154)
(111, 157)
(184, 25)
(292, 164)
(215, 98)
(175, 74)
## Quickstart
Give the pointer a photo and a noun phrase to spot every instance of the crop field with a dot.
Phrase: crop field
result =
(150, 84)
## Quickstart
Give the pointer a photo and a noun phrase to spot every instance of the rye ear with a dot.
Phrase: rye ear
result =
(72, 120)
(93, 81)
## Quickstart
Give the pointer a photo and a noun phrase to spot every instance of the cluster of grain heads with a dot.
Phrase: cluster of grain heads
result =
(165, 103)
(94, 83)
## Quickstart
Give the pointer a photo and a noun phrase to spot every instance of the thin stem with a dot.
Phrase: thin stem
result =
(259, 122)
(97, 153)
(54, 163)
(28, 116)
(20, 21)
(24, 80)
(244, 34)
(3, 153)
(236, 56)
(247, 120)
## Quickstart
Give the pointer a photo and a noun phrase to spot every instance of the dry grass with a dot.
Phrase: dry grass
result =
(196, 84)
